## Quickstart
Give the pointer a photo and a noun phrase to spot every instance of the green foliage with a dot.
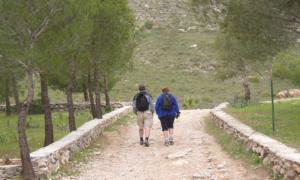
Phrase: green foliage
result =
(36, 107)
(252, 33)
(190, 103)
(287, 66)
(113, 37)
(254, 78)
(148, 25)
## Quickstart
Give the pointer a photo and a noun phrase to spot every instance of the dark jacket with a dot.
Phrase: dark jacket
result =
(149, 98)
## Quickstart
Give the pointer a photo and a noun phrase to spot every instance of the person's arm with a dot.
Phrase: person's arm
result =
(151, 106)
(176, 107)
(134, 105)
(157, 104)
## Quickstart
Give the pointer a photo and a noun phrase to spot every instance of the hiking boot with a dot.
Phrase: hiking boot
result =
(166, 143)
(147, 143)
(171, 141)
(141, 142)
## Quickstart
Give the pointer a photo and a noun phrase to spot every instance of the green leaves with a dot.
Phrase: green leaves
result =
(287, 66)
(253, 32)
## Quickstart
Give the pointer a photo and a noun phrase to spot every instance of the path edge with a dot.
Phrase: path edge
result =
(282, 159)
(48, 160)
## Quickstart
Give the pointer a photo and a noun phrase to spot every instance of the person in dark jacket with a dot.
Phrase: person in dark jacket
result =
(144, 109)
(167, 110)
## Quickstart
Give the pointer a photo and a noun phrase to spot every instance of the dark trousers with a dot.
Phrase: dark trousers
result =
(167, 122)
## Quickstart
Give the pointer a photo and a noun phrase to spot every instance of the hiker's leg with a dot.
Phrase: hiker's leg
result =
(147, 132)
(164, 127)
(170, 122)
(141, 132)
(166, 134)
(140, 123)
(171, 132)
(148, 122)
(148, 118)
(171, 129)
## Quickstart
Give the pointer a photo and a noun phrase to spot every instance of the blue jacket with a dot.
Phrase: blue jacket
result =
(163, 113)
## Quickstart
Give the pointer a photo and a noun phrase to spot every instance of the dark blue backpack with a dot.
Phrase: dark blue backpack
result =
(166, 102)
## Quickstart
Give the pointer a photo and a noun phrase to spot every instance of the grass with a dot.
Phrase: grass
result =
(237, 149)
(71, 168)
(259, 116)
(35, 131)
(234, 147)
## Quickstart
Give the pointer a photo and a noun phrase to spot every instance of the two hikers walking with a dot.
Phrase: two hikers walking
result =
(166, 108)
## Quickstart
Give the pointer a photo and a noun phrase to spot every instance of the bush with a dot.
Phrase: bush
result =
(36, 107)
(148, 25)
(254, 79)
(190, 103)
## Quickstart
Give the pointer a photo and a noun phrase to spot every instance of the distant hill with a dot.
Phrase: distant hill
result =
(177, 51)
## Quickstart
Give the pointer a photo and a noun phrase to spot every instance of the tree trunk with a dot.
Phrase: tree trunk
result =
(28, 172)
(47, 110)
(72, 123)
(16, 93)
(69, 92)
(98, 109)
(91, 95)
(85, 92)
(107, 99)
(247, 92)
(7, 100)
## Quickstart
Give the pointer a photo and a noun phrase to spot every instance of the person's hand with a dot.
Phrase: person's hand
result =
(177, 115)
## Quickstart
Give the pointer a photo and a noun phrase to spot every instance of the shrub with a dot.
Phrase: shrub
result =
(148, 25)
(190, 103)
(36, 107)
(254, 79)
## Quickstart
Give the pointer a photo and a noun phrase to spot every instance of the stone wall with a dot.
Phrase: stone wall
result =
(48, 159)
(62, 107)
(281, 158)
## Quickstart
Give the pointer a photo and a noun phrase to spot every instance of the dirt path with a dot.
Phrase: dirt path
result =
(201, 157)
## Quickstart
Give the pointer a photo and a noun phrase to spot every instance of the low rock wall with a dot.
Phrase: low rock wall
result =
(62, 107)
(48, 159)
(282, 159)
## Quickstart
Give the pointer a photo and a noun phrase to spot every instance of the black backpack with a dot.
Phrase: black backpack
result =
(166, 103)
(142, 103)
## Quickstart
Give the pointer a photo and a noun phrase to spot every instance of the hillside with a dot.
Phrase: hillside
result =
(178, 52)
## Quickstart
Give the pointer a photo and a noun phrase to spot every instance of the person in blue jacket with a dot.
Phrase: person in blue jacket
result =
(167, 110)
